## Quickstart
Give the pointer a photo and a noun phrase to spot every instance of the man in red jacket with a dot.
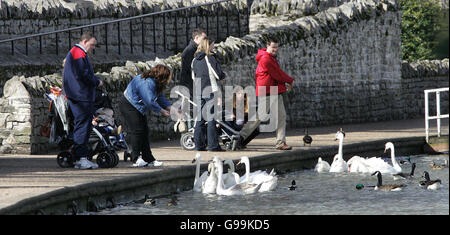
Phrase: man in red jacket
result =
(269, 74)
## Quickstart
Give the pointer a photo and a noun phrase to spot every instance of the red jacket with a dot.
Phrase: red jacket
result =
(268, 73)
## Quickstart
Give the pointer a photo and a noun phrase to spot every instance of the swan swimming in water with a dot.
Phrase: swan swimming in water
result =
(378, 164)
(269, 181)
(357, 164)
(199, 180)
(231, 178)
(322, 166)
(210, 184)
(339, 164)
(237, 189)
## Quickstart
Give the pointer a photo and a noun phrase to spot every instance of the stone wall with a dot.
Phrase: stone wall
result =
(346, 62)
(18, 18)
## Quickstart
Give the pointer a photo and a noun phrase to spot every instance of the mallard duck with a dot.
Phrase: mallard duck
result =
(439, 167)
(173, 201)
(428, 183)
(339, 164)
(387, 187)
(293, 186)
(149, 201)
(406, 176)
(307, 139)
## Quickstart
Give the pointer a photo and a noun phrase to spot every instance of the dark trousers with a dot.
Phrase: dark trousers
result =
(82, 119)
(137, 130)
(208, 130)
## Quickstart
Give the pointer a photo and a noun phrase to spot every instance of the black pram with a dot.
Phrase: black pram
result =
(101, 144)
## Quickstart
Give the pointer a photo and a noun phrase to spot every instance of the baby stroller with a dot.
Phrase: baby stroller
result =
(62, 134)
(229, 136)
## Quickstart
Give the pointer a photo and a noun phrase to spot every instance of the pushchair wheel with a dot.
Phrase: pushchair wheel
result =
(105, 160)
(187, 141)
(115, 158)
(126, 155)
(65, 159)
(227, 146)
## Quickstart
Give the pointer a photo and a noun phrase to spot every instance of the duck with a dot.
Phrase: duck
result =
(322, 166)
(210, 184)
(173, 201)
(149, 201)
(237, 189)
(339, 164)
(269, 181)
(406, 176)
(433, 165)
(428, 183)
(387, 187)
(307, 139)
(293, 186)
(199, 180)
(406, 161)
(231, 178)
(378, 164)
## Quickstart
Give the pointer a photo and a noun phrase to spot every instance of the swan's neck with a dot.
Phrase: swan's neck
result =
(197, 171)
(341, 143)
(394, 162)
(247, 171)
(219, 177)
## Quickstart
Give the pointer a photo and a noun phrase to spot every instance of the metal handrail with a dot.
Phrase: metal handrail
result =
(112, 22)
(438, 111)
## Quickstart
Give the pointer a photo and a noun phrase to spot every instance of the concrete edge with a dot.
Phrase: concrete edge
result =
(180, 178)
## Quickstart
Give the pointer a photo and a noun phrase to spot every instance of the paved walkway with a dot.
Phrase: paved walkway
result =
(25, 176)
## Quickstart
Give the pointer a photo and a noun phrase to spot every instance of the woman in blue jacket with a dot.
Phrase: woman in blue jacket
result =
(144, 93)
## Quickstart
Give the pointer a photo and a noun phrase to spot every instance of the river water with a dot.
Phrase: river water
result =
(325, 193)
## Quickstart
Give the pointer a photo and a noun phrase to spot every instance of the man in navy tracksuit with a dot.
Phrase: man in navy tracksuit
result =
(79, 86)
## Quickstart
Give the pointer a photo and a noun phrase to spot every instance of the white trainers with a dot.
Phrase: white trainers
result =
(83, 164)
(155, 163)
(140, 162)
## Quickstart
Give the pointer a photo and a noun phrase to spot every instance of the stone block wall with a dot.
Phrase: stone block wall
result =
(18, 18)
(346, 63)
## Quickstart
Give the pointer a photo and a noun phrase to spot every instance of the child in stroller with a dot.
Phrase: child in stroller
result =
(62, 134)
(233, 133)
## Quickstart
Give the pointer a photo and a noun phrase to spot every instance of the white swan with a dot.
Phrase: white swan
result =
(378, 164)
(199, 180)
(357, 164)
(322, 166)
(231, 178)
(210, 184)
(339, 164)
(269, 181)
(237, 189)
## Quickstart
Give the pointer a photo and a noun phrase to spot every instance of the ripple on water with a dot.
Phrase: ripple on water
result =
(326, 193)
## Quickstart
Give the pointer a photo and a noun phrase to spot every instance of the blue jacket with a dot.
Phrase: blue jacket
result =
(141, 93)
(79, 81)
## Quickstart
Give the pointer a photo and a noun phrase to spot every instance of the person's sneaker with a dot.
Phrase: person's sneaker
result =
(140, 162)
(155, 163)
(284, 147)
(83, 164)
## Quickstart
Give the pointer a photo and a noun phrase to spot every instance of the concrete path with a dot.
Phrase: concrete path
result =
(26, 176)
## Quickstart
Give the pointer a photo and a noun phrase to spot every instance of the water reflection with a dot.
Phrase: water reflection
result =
(326, 193)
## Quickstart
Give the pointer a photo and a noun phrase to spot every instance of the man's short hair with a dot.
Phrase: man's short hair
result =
(270, 40)
(86, 36)
(197, 32)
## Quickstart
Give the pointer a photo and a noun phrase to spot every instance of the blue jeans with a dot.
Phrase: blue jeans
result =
(209, 130)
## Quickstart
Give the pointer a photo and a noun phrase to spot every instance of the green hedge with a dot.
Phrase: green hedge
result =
(424, 30)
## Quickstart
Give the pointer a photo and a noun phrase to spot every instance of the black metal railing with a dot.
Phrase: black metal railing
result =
(93, 26)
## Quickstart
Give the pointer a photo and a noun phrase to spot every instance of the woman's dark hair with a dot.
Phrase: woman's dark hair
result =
(162, 75)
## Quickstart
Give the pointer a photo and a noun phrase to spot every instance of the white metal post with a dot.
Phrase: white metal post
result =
(438, 113)
(426, 115)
